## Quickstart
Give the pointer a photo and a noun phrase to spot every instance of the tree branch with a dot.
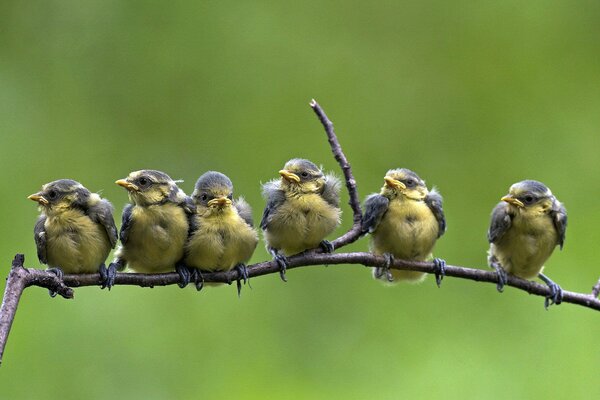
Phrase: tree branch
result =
(20, 277)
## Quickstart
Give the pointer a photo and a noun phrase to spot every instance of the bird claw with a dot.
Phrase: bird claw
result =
(197, 278)
(327, 246)
(242, 275)
(556, 292)
(282, 261)
(59, 273)
(440, 270)
(502, 276)
(385, 270)
(184, 275)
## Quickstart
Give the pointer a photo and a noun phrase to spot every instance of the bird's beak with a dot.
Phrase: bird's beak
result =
(219, 202)
(127, 185)
(39, 198)
(511, 200)
(289, 176)
(394, 183)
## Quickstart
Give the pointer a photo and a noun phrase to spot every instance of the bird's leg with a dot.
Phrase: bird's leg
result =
(327, 246)
(440, 270)
(184, 274)
(281, 260)
(242, 275)
(502, 274)
(385, 269)
(197, 278)
(108, 275)
(59, 273)
(556, 292)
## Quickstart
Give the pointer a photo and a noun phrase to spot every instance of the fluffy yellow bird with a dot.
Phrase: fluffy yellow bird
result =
(155, 225)
(75, 230)
(404, 220)
(222, 236)
(525, 228)
(302, 209)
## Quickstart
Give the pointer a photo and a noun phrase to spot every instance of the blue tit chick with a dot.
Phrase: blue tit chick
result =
(525, 227)
(405, 220)
(154, 226)
(75, 230)
(302, 209)
(222, 236)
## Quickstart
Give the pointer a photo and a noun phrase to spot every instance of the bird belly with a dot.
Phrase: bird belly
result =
(526, 246)
(301, 223)
(408, 231)
(75, 243)
(156, 239)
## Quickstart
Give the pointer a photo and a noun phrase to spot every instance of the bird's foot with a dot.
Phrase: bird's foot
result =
(556, 292)
(184, 275)
(197, 278)
(327, 246)
(59, 273)
(242, 275)
(385, 269)
(502, 276)
(440, 270)
(282, 261)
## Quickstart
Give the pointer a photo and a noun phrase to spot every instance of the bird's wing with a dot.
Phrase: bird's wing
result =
(376, 206)
(39, 234)
(331, 190)
(102, 213)
(500, 223)
(126, 223)
(244, 210)
(434, 202)
(559, 217)
(275, 198)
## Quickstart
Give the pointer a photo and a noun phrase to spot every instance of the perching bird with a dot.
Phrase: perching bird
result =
(75, 230)
(302, 209)
(222, 236)
(155, 225)
(404, 220)
(526, 226)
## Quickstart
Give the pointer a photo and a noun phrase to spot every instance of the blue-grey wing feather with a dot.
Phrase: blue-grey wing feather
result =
(102, 213)
(500, 223)
(434, 202)
(376, 206)
(39, 235)
(275, 198)
(331, 190)
(559, 217)
(244, 210)
(126, 223)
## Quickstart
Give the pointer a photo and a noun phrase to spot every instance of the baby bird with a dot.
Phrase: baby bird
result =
(222, 236)
(302, 209)
(525, 228)
(75, 230)
(404, 220)
(155, 225)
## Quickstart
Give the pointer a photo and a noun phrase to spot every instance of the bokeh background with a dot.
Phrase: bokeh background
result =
(472, 95)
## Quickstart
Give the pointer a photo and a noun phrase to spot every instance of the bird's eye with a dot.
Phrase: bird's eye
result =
(204, 197)
(410, 183)
(528, 199)
(52, 194)
(230, 197)
(304, 174)
(143, 181)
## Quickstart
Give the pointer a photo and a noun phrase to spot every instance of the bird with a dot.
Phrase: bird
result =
(302, 209)
(155, 225)
(222, 235)
(75, 230)
(404, 220)
(526, 226)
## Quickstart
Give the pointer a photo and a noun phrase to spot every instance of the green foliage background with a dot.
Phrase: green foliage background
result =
(472, 95)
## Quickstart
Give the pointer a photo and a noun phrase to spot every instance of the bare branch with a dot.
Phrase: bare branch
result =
(596, 289)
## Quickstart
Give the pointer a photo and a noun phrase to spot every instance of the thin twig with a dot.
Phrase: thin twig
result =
(354, 232)
(596, 289)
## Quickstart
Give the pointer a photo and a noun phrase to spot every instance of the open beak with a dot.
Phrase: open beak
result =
(511, 200)
(39, 198)
(219, 202)
(289, 176)
(394, 183)
(127, 185)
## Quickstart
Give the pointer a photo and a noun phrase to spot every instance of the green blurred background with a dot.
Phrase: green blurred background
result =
(472, 95)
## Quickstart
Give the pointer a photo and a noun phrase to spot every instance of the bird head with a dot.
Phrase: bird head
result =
(61, 195)
(149, 187)
(403, 182)
(530, 197)
(301, 176)
(213, 192)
